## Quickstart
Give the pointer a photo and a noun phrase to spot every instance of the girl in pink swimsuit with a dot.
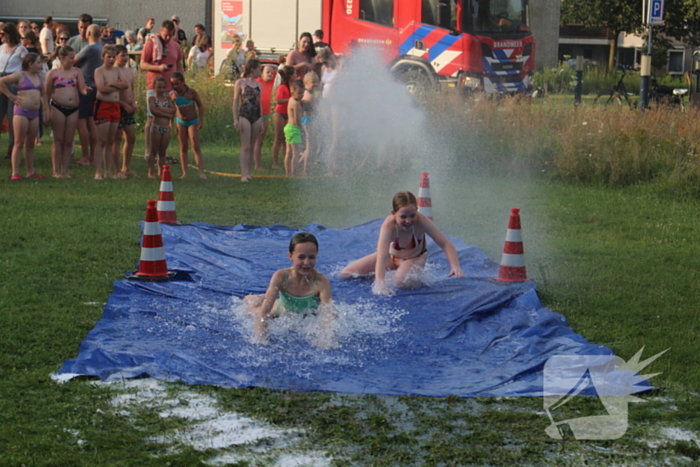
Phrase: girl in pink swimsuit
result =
(26, 119)
(402, 247)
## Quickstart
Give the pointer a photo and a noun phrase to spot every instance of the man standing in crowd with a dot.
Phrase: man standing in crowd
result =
(46, 36)
(161, 56)
(77, 43)
(88, 60)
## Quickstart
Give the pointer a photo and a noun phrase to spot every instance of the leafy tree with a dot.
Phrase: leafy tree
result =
(681, 19)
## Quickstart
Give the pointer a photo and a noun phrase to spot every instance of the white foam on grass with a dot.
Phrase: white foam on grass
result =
(212, 428)
(674, 434)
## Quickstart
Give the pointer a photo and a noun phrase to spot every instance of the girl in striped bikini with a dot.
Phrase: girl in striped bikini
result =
(63, 85)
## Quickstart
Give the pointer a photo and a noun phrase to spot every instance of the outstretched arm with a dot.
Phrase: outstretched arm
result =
(444, 243)
(264, 311)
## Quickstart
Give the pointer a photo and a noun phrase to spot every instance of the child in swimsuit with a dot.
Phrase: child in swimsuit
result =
(190, 119)
(107, 113)
(299, 289)
(26, 120)
(163, 110)
(247, 113)
(63, 85)
(292, 130)
(312, 86)
(401, 247)
(266, 81)
(279, 117)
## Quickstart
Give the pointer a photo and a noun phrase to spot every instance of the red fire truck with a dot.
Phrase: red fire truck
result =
(475, 44)
(478, 44)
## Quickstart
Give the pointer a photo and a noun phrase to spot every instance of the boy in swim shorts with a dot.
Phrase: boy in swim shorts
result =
(292, 130)
(107, 115)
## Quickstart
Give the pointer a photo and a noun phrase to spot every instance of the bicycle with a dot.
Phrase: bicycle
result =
(617, 92)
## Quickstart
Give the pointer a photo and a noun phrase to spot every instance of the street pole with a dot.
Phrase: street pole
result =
(579, 80)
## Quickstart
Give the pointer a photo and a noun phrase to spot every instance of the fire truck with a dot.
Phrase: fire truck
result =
(473, 44)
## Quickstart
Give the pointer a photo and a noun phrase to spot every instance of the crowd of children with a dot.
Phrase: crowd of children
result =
(87, 84)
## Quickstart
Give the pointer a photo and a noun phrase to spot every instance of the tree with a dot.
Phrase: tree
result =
(681, 19)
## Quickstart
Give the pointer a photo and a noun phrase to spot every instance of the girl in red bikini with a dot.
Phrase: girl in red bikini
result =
(402, 247)
(63, 85)
(26, 120)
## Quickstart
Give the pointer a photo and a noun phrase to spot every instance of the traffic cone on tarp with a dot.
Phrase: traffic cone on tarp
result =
(425, 204)
(513, 260)
(166, 198)
(152, 266)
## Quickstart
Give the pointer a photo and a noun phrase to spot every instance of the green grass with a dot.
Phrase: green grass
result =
(619, 263)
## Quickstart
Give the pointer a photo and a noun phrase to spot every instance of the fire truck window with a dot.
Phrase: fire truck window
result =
(378, 11)
(441, 13)
(502, 16)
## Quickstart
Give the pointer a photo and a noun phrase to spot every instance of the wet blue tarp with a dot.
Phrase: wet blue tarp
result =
(470, 336)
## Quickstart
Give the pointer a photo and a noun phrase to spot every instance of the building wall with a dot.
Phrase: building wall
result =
(544, 23)
(122, 14)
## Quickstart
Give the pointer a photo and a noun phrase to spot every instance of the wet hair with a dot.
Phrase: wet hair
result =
(28, 60)
(65, 50)
(297, 84)
(327, 57)
(109, 49)
(403, 198)
(311, 75)
(302, 237)
(11, 32)
(159, 79)
(311, 51)
(121, 49)
(286, 74)
(178, 75)
(85, 18)
(250, 65)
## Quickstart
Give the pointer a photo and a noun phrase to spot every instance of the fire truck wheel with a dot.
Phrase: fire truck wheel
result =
(417, 81)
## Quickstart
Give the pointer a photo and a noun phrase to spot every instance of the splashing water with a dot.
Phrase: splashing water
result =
(361, 329)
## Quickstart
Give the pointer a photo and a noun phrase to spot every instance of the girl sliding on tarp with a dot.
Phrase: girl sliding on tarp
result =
(299, 289)
(402, 247)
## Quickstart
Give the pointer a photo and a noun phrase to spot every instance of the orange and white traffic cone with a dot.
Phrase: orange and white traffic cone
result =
(152, 266)
(166, 198)
(425, 204)
(513, 260)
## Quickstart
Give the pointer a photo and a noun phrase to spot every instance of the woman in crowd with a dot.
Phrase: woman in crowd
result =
(11, 55)
(302, 58)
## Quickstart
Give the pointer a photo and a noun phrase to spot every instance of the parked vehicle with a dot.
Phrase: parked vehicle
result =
(473, 44)
(662, 94)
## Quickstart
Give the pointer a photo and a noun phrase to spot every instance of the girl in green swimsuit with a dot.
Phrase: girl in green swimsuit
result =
(299, 289)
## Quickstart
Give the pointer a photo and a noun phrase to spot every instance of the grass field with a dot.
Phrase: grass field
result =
(619, 262)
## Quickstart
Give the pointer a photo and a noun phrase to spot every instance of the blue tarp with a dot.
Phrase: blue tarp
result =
(470, 336)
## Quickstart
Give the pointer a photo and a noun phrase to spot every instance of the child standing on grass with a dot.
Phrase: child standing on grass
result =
(312, 85)
(299, 289)
(190, 119)
(63, 86)
(127, 122)
(26, 117)
(163, 110)
(266, 83)
(402, 247)
(292, 130)
(109, 83)
(247, 113)
(279, 118)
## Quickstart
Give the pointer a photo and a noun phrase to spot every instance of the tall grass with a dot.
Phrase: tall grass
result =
(591, 144)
